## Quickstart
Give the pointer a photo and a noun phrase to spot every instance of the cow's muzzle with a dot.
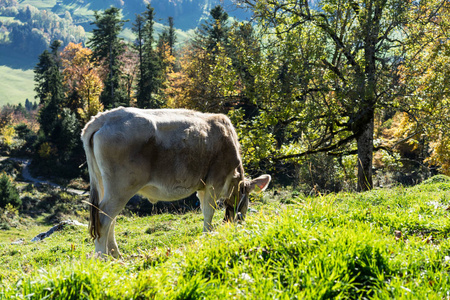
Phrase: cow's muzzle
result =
(242, 203)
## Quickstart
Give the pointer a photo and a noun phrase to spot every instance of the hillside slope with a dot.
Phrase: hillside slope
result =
(16, 85)
(383, 244)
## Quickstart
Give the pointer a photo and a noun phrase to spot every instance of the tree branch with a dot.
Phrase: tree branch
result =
(317, 150)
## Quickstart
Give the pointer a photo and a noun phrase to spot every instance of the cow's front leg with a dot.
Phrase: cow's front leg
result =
(208, 206)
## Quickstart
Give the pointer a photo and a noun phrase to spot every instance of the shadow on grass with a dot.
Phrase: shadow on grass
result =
(17, 60)
(142, 207)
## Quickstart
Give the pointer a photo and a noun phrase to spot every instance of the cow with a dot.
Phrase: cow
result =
(163, 155)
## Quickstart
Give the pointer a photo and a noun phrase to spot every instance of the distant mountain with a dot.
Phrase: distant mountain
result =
(187, 14)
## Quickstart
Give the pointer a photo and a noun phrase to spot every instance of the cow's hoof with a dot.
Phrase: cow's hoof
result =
(239, 218)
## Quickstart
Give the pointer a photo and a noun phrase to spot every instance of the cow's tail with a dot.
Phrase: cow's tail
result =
(94, 173)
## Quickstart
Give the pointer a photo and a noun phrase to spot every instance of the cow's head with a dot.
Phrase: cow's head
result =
(236, 207)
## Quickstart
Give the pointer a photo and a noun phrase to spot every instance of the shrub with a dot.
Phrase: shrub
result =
(8, 192)
(8, 134)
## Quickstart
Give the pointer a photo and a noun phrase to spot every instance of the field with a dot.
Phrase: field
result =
(16, 86)
(383, 244)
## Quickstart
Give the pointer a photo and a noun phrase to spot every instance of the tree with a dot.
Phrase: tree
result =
(214, 31)
(244, 49)
(426, 115)
(82, 81)
(59, 127)
(332, 94)
(8, 192)
(208, 79)
(150, 73)
(107, 47)
(49, 88)
(168, 36)
(28, 105)
(138, 29)
(45, 73)
(171, 37)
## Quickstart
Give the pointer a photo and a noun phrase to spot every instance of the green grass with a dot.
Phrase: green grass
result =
(6, 19)
(16, 86)
(383, 244)
(40, 4)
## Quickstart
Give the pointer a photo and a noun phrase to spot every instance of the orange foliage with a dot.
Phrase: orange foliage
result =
(80, 76)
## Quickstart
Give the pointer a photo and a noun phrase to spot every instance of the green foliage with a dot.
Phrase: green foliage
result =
(58, 144)
(150, 64)
(107, 47)
(8, 192)
(214, 31)
(383, 244)
(257, 143)
(321, 173)
(22, 131)
(438, 182)
(47, 77)
(32, 30)
(66, 133)
(326, 70)
(7, 134)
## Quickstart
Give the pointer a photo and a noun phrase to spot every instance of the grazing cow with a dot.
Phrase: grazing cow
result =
(164, 155)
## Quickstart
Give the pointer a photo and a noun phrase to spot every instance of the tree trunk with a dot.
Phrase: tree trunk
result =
(365, 156)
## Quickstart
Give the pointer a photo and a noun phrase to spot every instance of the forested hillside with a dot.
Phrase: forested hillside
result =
(28, 27)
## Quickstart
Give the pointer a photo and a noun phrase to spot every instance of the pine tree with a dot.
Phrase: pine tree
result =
(43, 72)
(107, 47)
(59, 127)
(49, 88)
(214, 31)
(172, 38)
(167, 39)
(138, 29)
(28, 105)
(150, 78)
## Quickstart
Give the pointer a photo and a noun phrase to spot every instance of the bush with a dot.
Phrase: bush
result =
(8, 192)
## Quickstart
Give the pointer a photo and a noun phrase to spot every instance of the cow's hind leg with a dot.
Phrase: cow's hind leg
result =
(111, 205)
(208, 205)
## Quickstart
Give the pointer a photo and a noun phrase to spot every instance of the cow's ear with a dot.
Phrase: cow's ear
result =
(259, 184)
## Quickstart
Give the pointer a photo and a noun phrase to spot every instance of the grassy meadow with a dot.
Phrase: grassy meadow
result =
(383, 244)
(16, 86)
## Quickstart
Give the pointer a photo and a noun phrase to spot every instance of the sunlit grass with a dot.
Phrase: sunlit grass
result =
(383, 244)
(41, 4)
(16, 86)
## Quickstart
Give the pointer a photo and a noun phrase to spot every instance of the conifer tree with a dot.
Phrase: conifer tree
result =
(49, 88)
(150, 78)
(107, 47)
(214, 31)
(59, 127)
(172, 38)
(167, 39)
(45, 73)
